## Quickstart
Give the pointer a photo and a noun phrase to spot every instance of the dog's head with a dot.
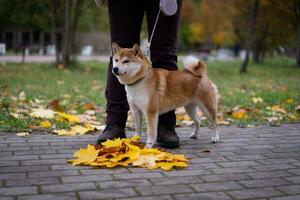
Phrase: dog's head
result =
(129, 64)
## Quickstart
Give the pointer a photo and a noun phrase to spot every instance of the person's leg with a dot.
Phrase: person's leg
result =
(163, 54)
(125, 20)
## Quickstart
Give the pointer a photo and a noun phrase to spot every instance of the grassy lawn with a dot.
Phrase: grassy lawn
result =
(276, 82)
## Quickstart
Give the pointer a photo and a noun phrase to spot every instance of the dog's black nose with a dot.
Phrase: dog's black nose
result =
(116, 70)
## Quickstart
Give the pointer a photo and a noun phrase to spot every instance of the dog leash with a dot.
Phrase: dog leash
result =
(147, 51)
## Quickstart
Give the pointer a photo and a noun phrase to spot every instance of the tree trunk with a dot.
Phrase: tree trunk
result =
(298, 41)
(55, 24)
(250, 32)
(66, 34)
(75, 20)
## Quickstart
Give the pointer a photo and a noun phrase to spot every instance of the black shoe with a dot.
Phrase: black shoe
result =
(167, 137)
(111, 132)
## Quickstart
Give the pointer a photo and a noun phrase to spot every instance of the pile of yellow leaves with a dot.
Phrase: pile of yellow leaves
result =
(125, 152)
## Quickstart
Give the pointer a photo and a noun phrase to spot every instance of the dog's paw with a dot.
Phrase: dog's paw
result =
(149, 145)
(193, 136)
(215, 139)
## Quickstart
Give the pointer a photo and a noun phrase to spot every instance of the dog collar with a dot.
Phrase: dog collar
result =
(137, 81)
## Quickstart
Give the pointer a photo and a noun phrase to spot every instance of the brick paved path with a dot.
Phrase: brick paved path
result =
(250, 163)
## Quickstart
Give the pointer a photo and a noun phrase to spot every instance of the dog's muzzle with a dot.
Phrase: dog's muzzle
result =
(116, 71)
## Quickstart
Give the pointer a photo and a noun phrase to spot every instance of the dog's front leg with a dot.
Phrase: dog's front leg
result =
(137, 117)
(152, 121)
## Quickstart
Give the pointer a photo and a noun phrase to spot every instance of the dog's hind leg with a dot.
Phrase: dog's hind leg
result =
(152, 123)
(191, 110)
(210, 113)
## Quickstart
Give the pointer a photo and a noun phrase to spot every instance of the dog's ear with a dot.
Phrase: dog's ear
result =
(200, 69)
(137, 50)
(115, 48)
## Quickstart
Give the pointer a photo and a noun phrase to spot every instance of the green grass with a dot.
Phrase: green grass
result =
(275, 81)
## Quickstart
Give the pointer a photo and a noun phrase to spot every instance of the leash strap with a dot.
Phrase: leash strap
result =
(147, 52)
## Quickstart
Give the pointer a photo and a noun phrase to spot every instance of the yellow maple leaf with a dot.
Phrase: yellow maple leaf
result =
(75, 130)
(169, 165)
(42, 113)
(45, 124)
(145, 161)
(112, 143)
(70, 118)
(86, 156)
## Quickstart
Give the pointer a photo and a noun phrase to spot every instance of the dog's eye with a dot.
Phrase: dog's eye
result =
(126, 61)
(116, 60)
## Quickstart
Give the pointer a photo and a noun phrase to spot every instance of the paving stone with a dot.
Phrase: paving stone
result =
(160, 197)
(254, 193)
(33, 181)
(273, 167)
(74, 179)
(106, 194)
(271, 182)
(216, 186)
(138, 175)
(7, 176)
(58, 196)
(26, 157)
(257, 163)
(68, 187)
(43, 162)
(203, 196)
(269, 174)
(187, 173)
(175, 180)
(53, 173)
(8, 163)
(238, 163)
(123, 183)
(291, 189)
(23, 169)
(6, 197)
(224, 177)
(18, 190)
(293, 197)
(163, 189)
(232, 170)
(295, 179)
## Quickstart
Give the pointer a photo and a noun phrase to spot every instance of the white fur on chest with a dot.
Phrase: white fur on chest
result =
(137, 95)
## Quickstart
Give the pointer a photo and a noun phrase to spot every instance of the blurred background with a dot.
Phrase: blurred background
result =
(54, 54)
(214, 29)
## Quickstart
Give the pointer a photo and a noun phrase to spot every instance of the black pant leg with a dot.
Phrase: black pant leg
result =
(164, 45)
(125, 19)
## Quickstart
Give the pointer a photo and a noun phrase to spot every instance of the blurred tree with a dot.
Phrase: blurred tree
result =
(250, 31)
(294, 8)
(65, 16)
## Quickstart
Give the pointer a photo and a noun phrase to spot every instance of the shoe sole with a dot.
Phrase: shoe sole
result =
(169, 145)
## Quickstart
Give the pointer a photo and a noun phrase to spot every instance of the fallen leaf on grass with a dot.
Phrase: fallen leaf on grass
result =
(125, 152)
(297, 108)
(15, 115)
(22, 134)
(239, 114)
(70, 118)
(278, 109)
(45, 124)
(257, 99)
(42, 113)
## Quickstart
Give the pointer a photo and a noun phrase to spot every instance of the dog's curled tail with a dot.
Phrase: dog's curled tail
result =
(195, 66)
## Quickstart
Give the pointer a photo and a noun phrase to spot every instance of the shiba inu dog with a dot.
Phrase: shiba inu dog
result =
(157, 91)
